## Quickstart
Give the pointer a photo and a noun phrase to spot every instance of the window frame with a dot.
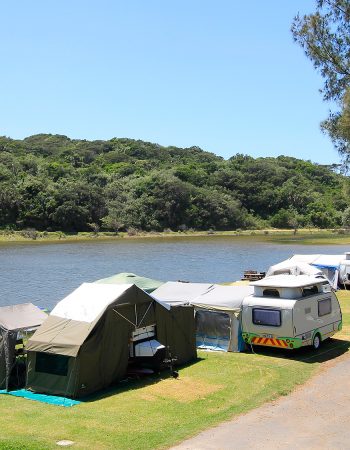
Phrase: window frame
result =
(309, 291)
(279, 311)
(328, 299)
(271, 292)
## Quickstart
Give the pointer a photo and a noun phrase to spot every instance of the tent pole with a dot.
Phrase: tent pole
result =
(8, 365)
(145, 313)
(3, 335)
(121, 315)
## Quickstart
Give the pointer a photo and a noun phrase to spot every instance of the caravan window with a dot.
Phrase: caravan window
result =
(310, 290)
(271, 293)
(52, 364)
(268, 317)
(324, 307)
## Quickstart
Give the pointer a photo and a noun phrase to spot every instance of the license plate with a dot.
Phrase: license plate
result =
(268, 335)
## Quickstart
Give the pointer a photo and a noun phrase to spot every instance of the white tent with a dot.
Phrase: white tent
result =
(89, 301)
(336, 268)
(290, 267)
(344, 270)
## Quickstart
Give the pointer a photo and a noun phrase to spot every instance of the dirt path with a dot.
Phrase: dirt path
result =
(315, 416)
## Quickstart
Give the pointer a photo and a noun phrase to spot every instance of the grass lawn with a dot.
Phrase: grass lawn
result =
(159, 412)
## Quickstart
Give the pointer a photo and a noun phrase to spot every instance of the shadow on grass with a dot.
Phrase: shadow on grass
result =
(330, 349)
(130, 384)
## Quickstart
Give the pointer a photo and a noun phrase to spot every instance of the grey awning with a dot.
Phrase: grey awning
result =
(17, 317)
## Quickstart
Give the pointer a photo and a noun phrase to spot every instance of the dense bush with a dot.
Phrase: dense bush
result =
(56, 183)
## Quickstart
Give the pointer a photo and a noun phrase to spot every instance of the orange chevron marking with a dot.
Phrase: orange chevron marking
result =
(272, 342)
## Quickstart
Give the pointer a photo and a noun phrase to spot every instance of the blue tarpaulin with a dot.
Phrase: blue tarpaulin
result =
(50, 399)
(325, 266)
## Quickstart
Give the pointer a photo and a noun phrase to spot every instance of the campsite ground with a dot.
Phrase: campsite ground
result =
(313, 416)
(158, 412)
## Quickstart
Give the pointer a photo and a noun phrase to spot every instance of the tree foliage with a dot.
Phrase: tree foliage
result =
(53, 182)
(338, 128)
(325, 38)
(346, 218)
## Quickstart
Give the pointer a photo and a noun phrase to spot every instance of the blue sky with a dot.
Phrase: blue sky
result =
(223, 75)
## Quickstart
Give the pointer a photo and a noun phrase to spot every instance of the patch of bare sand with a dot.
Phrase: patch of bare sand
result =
(183, 389)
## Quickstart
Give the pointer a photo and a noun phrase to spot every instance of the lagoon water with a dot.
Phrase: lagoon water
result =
(44, 273)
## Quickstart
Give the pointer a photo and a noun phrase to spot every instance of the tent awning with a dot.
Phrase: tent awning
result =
(178, 292)
(223, 298)
(17, 317)
(61, 336)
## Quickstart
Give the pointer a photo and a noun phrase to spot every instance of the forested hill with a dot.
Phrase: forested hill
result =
(51, 182)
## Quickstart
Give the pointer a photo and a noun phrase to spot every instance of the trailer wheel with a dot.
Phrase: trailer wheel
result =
(316, 343)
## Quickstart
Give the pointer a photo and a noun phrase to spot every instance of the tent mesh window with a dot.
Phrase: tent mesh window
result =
(52, 364)
(213, 324)
(213, 329)
(267, 317)
(324, 307)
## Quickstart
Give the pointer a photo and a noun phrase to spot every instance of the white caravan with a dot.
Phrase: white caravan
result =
(290, 311)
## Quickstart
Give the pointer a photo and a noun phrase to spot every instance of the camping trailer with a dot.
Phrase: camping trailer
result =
(290, 311)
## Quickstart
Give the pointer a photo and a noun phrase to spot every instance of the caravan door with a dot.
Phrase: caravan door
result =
(305, 319)
(317, 314)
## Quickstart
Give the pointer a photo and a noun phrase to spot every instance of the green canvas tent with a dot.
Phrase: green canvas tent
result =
(84, 345)
(147, 284)
(175, 325)
(176, 330)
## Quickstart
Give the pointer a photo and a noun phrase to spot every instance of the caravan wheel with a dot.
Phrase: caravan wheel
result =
(316, 343)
